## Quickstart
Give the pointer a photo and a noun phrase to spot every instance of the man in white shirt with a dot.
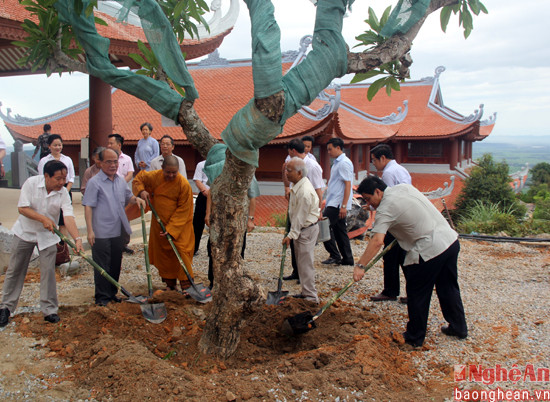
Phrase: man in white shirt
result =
(296, 148)
(166, 149)
(125, 170)
(431, 247)
(338, 204)
(42, 198)
(303, 212)
(392, 174)
(125, 164)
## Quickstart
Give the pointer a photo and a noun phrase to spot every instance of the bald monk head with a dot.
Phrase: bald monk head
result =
(170, 168)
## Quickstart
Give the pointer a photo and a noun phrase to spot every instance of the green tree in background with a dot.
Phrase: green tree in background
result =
(488, 183)
(540, 173)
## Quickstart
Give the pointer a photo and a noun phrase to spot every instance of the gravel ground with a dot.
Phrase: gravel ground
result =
(505, 289)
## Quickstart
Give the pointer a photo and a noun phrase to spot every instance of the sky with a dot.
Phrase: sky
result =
(504, 64)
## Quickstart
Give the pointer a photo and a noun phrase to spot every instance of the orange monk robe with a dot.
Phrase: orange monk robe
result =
(173, 201)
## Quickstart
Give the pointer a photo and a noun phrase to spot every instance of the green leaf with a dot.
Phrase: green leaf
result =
(375, 87)
(100, 21)
(139, 60)
(444, 17)
(394, 83)
(474, 6)
(179, 9)
(364, 76)
(482, 8)
(373, 20)
(385, 16)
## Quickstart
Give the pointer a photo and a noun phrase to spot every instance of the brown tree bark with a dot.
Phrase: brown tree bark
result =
(235, 294)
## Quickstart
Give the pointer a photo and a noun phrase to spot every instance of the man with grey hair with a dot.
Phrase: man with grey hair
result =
(303, 212)
(107, 194)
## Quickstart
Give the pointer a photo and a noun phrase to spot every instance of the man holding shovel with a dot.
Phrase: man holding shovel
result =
(41, 200)
(432, 249)
(303, 213)
(171, 196)
(106, 196)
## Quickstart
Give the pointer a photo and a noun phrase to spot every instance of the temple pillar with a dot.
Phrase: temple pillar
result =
(100, 113)
(397, 153)
(453, 154)
(367, 158)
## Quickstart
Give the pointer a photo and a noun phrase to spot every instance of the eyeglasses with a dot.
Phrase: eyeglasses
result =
(111, 162)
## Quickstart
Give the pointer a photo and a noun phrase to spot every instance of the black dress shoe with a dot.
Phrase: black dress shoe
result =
(116, 299)
(102, 303)
(128, 250)
(298, 296)
(331, 261)
(290, 277)
(382, 297)
(53, 318)
(347, 262)
(4, 317)
(449, 331)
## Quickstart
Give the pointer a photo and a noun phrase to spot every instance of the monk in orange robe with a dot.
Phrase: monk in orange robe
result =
(171, 196)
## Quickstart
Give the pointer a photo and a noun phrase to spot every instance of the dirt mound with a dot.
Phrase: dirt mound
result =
(113, 352)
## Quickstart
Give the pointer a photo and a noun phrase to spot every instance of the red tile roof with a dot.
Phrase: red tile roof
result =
(123, 37)
(224, 90)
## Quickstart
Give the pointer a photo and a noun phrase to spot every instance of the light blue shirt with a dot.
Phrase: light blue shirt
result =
(107, 198)
(340, 173)
(146, 151)
(395, 174)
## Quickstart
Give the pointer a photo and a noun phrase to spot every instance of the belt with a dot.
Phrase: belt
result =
(307, 227)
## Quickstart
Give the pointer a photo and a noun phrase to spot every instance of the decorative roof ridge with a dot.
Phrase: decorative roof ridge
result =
(392, 118)
(28, 121)
(441, 192)
(446, 112)
(331, 106)
(491, 120)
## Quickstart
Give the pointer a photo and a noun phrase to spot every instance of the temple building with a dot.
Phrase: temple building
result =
(429, 138)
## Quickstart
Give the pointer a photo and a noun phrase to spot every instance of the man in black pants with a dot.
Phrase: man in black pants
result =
(338, 202)
(432, 252)
(392, 175)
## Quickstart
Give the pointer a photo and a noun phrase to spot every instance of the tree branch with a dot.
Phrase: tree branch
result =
(396, 47)
(194, 128)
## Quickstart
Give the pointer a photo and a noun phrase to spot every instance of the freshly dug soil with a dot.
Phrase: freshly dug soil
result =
(114, 353)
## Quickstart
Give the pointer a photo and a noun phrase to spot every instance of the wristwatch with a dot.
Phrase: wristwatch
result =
(363, 267)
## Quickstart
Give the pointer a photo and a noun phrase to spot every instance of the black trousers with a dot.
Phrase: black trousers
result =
(210, 264)
(338, 246)
(198, 219)
(441, 272)
(108, 255)
(392, 260)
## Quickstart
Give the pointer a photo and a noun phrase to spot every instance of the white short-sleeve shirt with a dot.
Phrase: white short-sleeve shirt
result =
(34, 195)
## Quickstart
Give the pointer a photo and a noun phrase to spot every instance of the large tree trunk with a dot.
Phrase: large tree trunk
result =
(235, 293)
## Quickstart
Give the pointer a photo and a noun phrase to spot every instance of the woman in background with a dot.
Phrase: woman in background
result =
(147, 148)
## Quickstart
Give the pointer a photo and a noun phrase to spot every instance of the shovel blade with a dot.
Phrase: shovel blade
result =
(298, 324)
(200, 293)
(276, 298)
(137, 299)
(154, 313)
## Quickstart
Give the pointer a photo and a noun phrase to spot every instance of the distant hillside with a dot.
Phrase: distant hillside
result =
(516, 151)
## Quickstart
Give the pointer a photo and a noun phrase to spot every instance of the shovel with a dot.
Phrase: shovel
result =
(147, 309)
(197, 291)
(304, 322)
(278, 296)
(154, 315)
